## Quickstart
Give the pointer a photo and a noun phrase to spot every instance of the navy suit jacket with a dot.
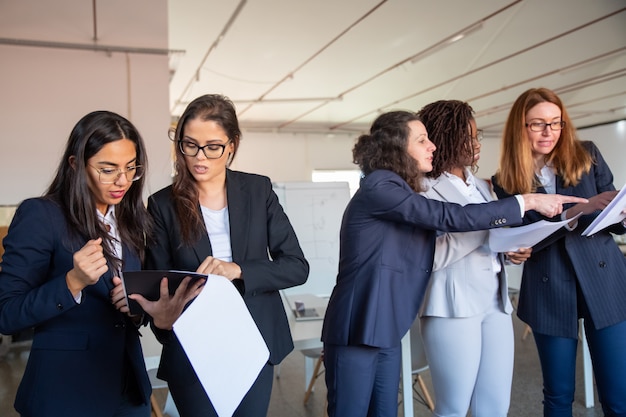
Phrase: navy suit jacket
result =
(80, 352)
(259, 229)
(387, 243)
(548, 300)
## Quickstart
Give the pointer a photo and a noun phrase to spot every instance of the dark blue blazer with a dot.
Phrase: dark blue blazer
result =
(547, 300)
(80, 352)
(387, 244)
(263, 244)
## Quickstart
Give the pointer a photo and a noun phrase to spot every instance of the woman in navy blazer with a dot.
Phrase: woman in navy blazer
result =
(387, 242)
(568, 276)
(59, 275)
(217, 221)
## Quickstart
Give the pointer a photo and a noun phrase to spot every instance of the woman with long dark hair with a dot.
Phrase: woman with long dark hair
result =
(64, 254)
(214, 220)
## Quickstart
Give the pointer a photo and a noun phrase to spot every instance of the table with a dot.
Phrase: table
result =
(307, 335)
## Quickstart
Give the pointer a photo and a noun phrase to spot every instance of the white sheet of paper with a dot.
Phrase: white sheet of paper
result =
(510, 239)
(222, 343)
(611, 214)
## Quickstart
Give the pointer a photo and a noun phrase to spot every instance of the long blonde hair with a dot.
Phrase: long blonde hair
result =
(569, 158)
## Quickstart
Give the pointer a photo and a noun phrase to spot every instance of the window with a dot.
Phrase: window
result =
(351, 176)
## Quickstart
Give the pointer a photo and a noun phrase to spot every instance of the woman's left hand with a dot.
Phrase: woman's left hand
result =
(519, 256)
(118, 298)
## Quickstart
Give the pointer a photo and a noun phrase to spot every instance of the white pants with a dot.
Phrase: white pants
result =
(471, 363)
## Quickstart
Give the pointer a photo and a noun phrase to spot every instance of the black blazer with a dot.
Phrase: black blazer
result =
(547, 300)
(80, 352)
(387, 244)
(263, 244)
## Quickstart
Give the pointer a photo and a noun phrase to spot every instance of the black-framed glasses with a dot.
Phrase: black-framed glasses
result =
(211, 150)
(541, 126)
(111, 175)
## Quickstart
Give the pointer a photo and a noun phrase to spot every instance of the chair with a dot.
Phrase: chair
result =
(156, 383)
(419, 364)
(318, 355)
(514, 276)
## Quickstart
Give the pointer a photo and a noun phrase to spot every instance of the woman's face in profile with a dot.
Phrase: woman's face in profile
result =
(474, 136)
(420, 147)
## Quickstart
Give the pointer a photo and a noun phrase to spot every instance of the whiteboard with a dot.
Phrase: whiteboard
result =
(315, 210)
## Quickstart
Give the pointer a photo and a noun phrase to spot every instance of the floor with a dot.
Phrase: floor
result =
(288, 389)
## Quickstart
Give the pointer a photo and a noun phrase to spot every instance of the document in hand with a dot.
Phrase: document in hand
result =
(222, 343)
(611, 214)
(510, 239)
(148, 284)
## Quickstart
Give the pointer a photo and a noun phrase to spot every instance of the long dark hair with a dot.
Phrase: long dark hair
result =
(70, 189)
(208, 107)
(385, 147)
(448, 125)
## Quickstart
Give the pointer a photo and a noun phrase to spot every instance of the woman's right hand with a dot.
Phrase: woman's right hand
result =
(168, 308)
(89, 265)
(549, 204)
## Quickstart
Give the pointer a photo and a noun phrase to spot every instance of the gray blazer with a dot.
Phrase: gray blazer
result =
(462, 262)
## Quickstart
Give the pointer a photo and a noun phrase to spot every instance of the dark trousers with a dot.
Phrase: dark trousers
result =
(191, 399)
(362, 380)
(558, 364)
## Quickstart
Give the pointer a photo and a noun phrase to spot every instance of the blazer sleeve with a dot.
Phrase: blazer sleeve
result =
(391, 199)
(598, 180)
(286, 265)
(29, 294)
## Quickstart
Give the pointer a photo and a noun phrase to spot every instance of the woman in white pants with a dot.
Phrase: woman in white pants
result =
(466, 315)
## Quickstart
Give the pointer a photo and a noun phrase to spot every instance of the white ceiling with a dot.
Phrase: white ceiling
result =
(335, 64)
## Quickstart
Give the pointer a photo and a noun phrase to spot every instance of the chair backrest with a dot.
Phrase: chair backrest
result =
(419, 362)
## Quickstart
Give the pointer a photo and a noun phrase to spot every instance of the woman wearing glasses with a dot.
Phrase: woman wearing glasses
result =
(60, 275)
(217, 221)
(568, 276)
(466, 316)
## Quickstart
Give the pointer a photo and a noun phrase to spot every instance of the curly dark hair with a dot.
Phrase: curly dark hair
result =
(221, 110)
(448, 125)
(385, 147)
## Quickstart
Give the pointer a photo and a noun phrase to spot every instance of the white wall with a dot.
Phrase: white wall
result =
(293, 157)
(45, 91)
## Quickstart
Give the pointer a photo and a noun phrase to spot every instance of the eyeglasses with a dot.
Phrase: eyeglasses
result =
(479, 136)
(540, 127)
(211, 151)
(111, 175)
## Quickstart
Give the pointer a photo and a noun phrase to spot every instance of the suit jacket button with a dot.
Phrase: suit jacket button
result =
(59, 306)
(602, 264)
(544, 279)
(503, 221)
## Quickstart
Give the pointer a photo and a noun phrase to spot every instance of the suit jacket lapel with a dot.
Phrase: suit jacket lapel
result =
(202, 248)
(444, 187)
(484, 190)
(238, 214)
